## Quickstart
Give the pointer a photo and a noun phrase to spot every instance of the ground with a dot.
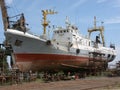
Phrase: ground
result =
(91, 83)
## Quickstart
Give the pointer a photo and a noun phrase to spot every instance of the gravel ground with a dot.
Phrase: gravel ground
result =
(101, 83)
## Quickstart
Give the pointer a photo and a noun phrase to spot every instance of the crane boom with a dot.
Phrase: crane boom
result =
(45, 23)
(5, 17)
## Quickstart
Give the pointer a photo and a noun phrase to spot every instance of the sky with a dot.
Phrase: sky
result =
(80, 13)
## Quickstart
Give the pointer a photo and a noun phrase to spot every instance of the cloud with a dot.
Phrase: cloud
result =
(114, 20)
(101, 1)
(78, 3)
(112, 3)
(9, 1)
(116, 3)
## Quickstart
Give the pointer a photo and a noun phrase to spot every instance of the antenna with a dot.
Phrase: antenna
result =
(95, 22)
(67, 20)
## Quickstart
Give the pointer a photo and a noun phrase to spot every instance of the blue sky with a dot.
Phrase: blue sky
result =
(80, 13)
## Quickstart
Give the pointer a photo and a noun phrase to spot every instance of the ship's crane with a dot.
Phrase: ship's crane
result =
(4, 15)
(45, 23)
(95, 28)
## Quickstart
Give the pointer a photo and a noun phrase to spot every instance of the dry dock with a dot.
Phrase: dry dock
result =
(102, 83)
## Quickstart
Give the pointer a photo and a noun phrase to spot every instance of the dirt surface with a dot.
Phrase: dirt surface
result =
(101, 83)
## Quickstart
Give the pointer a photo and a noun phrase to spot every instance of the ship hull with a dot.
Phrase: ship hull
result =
(48, 62)
(32, 53)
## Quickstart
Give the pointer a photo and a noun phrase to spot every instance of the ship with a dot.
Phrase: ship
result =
(66, 50)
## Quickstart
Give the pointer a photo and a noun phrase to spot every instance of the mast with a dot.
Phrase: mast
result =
(45, 23)
(95, 22)
(100, 29)
(5, 17)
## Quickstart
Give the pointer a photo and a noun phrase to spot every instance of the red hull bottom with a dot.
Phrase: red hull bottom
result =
(50, 62)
